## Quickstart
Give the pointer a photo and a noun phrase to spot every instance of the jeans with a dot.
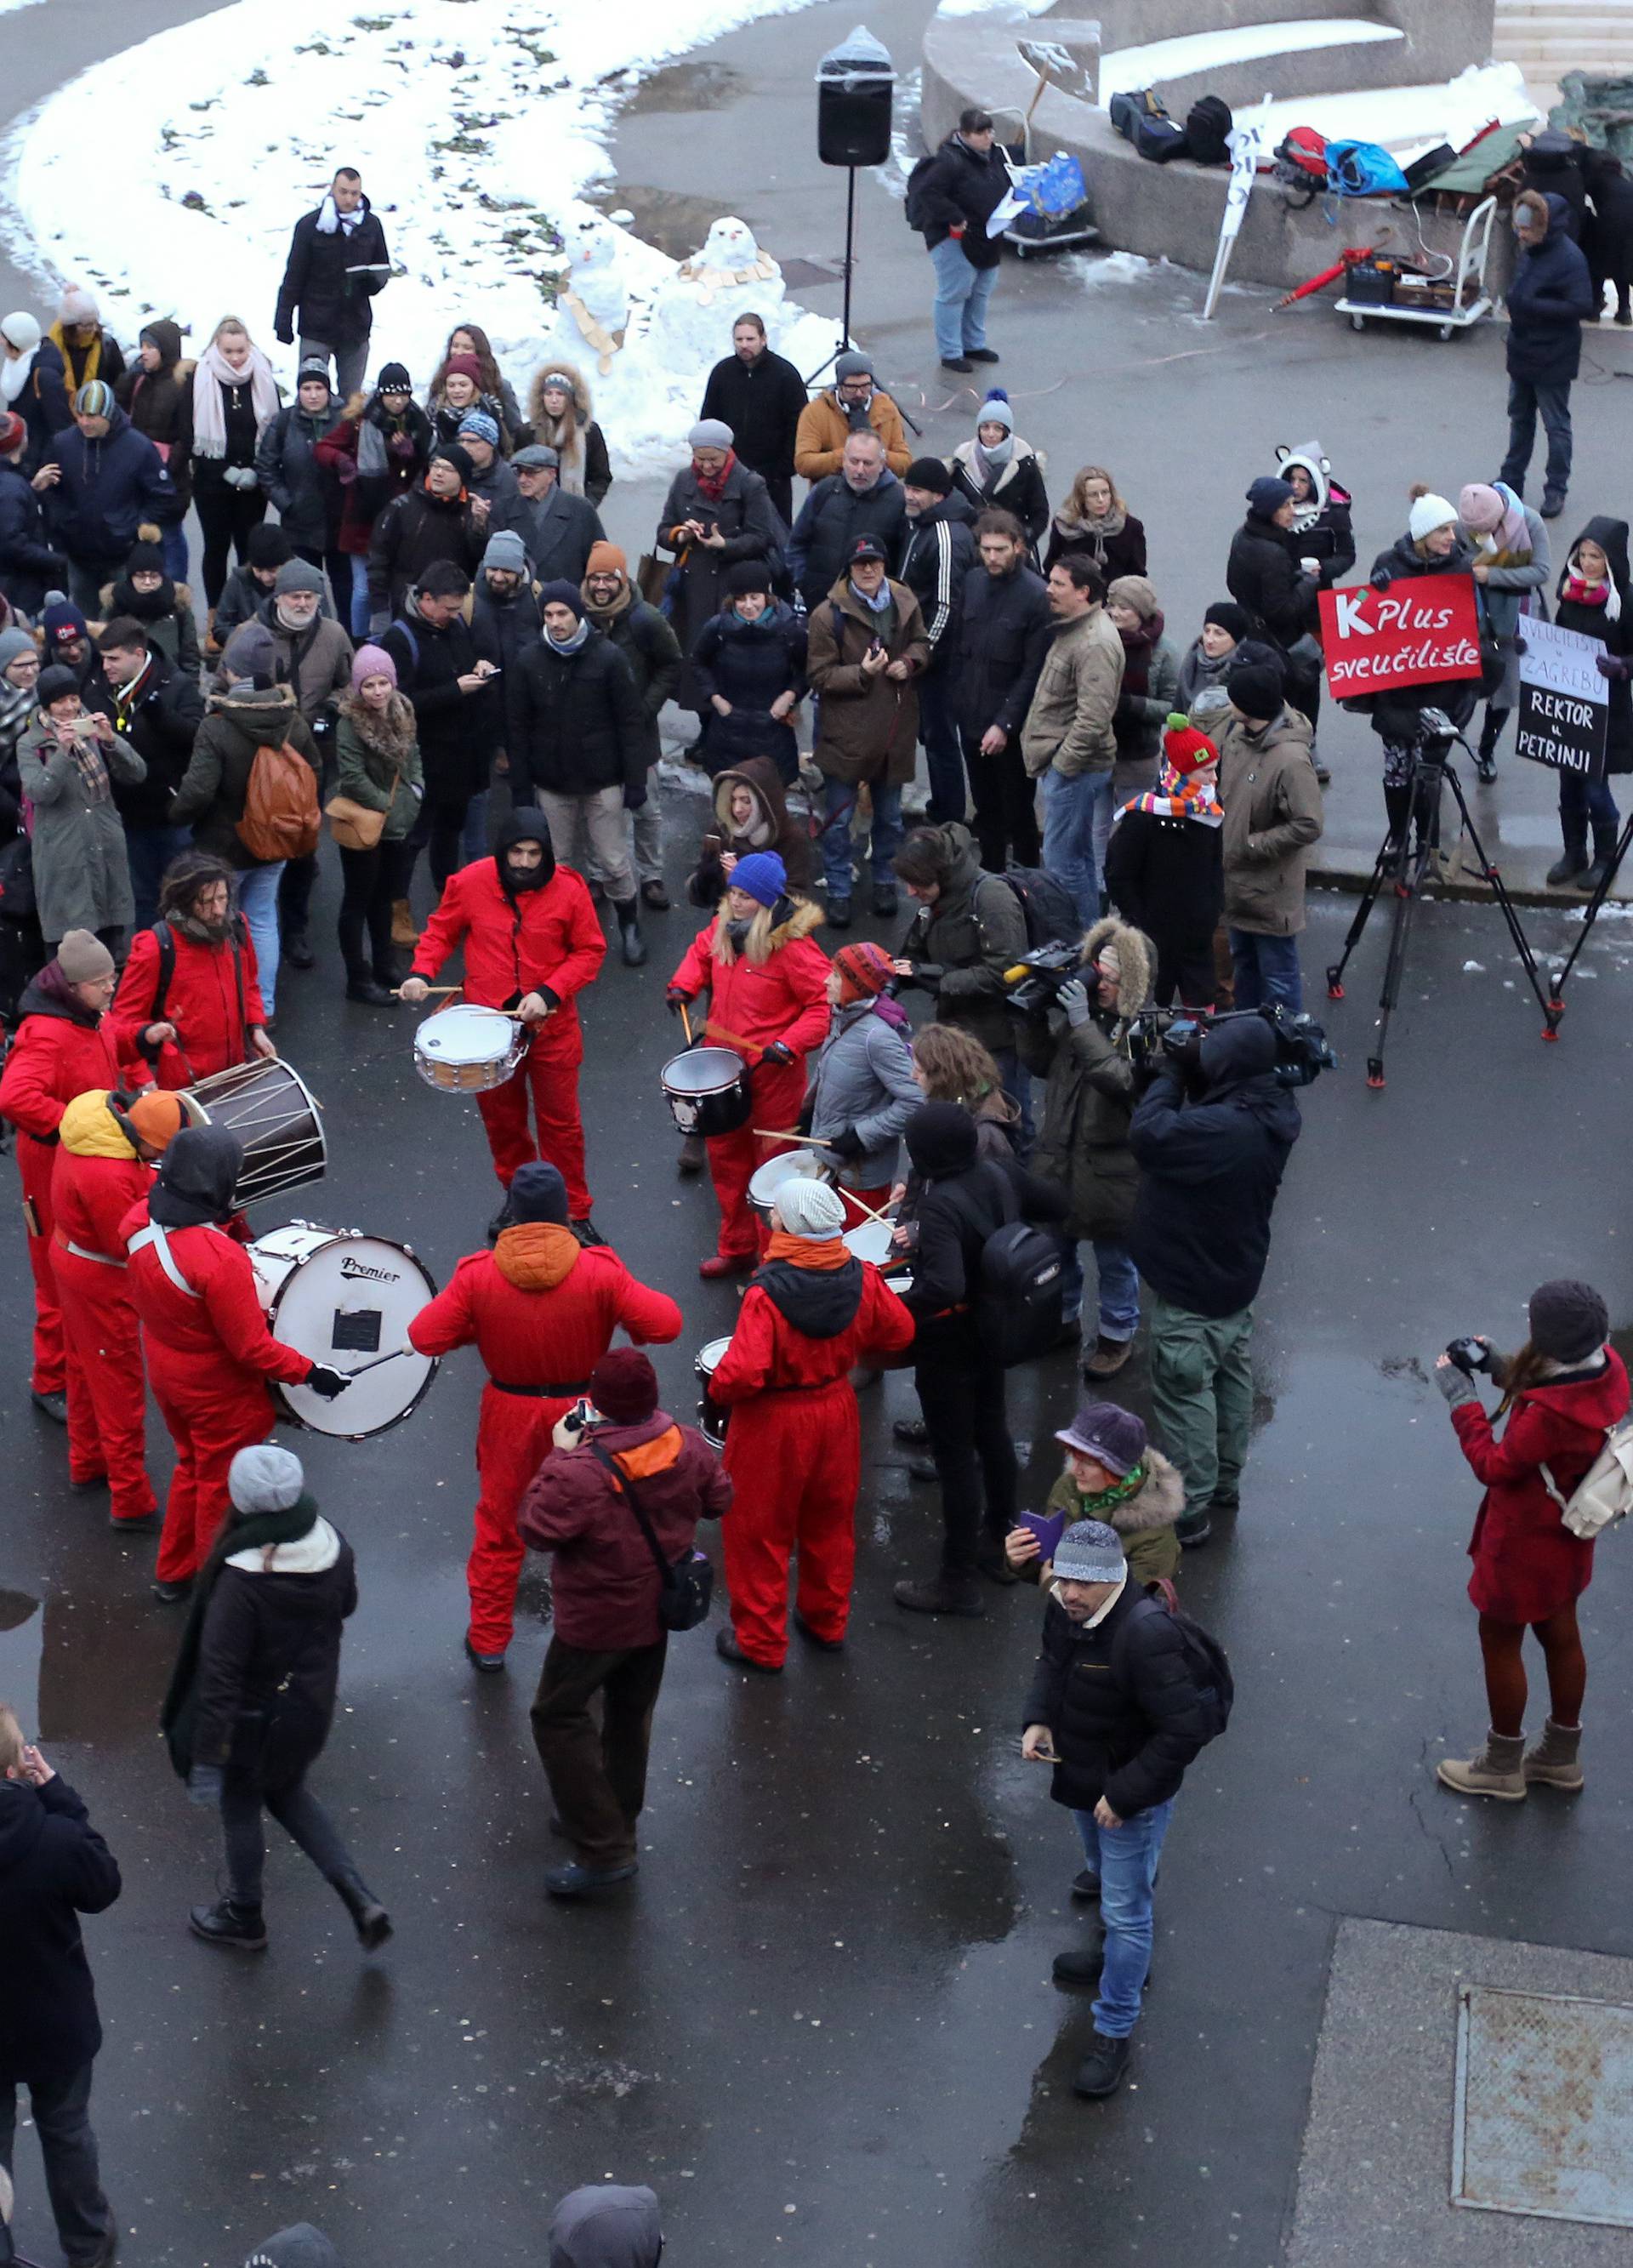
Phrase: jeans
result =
(351, 365)
(173, 543)
(1267, 969)
(598, 1772)
(962, 296)
(62, 2113)
(1125, 1859)
(1072, 804)
(961, 1395)
(255, 890)
(474, 840)
(1118, 1288)
(839, 803)
(944, 763)
(1524, 399)
(148, 851)
(1201, 1397)
(297, 1811)
(1582, 800)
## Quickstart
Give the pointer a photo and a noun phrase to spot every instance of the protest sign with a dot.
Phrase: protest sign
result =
(1565, 703)
(1421, 631)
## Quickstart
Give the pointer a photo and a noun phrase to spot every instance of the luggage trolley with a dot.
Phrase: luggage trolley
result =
(1054, 219)
(1448, 305)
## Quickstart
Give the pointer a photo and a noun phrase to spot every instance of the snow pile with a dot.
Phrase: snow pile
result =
(1189, 54)
(475, 128)
(1409, 119)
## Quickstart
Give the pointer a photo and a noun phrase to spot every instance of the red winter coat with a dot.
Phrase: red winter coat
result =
(57, 1053)
(752, 1005)
(542, 940)
(551, 1332)
(223, 1326)
(766, 1350)
(91, 1198)
(604, 1582)
(202, 1002)
(1528, 1563)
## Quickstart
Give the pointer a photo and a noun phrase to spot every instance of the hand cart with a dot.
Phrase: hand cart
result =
(1447, 305)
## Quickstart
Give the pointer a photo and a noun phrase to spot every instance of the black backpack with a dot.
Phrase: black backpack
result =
(1016, 1298)
(1207, 1664)
(1207, 123)
(911, 206)
(1046, 905)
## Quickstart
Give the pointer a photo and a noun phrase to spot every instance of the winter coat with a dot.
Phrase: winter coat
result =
(603, 1581)
(59, 1048)
(547, 940)
(955, 1215)
(652, 651)
(1552, 166)
(166, 614)
(446, 420)
(831, 520)
(1082, 1138)
(102, 358)
(455, 730)
(1144, 1520)
(1608, 238)
(793, 1334)
(315, 662)
(1528, 1563)
(756, 1005)
(1121, 554)
(1119, 1699)
(1210, 1169)
(961, 189)
(1616, 638)
(269, 1660)
(826, 424)
(236, 727)
(42, 403)
(762, 402)
(242, 600)
(495, 485)
(242, 430)
(82, 875)
(1166, 876)
(54, 1866)
(412, 531)
(960, 946)
(1322, 527)
(1510, 595)
(1142, 713)
(1272, 804)
(213, 999)
(1004, 633)
(107, 488)
(1264, 577)
(372, 456)
(159, 716)
(936, 561)
(159, 403)
(862, 1082)
(307, 499)
(1394, 714)
(1019, 487)
(585, 469)
(379, 767)
(745, 515)
(1550, 296)
(540, 1333)
(319, 296)
(750, 664)
(29, 567)
(1070, 722)
(772, 828)
(557, 530)
(580, 722)
(867, 726)
(505, 631)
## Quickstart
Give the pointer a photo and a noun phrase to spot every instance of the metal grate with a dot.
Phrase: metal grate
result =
(1544, 2110)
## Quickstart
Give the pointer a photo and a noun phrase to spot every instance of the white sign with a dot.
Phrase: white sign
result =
(1563, 661)
(1246, 143)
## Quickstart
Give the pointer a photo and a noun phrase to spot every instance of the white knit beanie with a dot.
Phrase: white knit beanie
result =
(265, 1478)
(21, 331)
(810, 1210)
(1428, 513)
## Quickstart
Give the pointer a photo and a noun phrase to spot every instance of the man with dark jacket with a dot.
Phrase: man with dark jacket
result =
(951, 202)
(969, 929)
(446, 682)
(1212, 1140)
(1273, 813)
(1003, 634)
(759, 395)
(504, 628)
(337, 262)
(1114, 1699)
(939, 552)
(102, 479)
(863, 497)
(605, 1586)
(642, 635)
(287, 468)
(558, 529)
(436, 523)
(54, 1866)
(28, 566)
(158, 712)
(1549, 298)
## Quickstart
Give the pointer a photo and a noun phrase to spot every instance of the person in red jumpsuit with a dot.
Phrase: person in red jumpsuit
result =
(767, 985)
(64, 1042)
(793, 1447)
(532, 942)
(105, 1149)
(209, 1012)
(541, 1309)
(209, 1353)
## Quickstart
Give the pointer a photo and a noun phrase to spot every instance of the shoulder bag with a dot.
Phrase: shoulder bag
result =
(687, 1587)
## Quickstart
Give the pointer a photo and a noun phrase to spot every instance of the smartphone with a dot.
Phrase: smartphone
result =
(878, 647)
(1049, 1755)
(579, 1416)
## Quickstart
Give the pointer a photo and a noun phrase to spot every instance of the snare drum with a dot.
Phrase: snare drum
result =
(271, 1109)
(787, 1166)
(712, 1417)
(343, 1299)
(707, 1091)
(466, 1050)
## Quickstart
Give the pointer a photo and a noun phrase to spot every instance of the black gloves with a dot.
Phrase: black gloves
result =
(327, 1382)
(674, 1002)
(776, 1053)
(1381, 578)
(1608, 665)
(847, 1145)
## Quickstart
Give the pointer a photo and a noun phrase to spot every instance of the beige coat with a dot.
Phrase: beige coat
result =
(1069, 725)
(824, 429)
(1272, 805)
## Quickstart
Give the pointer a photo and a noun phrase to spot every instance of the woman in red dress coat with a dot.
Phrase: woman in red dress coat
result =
(1561, 1393)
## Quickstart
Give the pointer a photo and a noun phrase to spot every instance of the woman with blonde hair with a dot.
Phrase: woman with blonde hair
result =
(560, 409)
(1094, 523)
(234, 394)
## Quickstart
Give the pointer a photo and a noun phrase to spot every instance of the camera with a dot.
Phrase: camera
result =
(1302, 1048)
(1470, 1355)
(579, 1416)
(1037, 977)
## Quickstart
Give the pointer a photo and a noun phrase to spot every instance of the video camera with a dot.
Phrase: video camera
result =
(1037, 977)
(1302, 1048)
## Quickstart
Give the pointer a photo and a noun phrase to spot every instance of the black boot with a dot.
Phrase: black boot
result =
(1604, 857)
(1100, 2071)
(227, 1924)
(369, 1917)
(630, 933)
(363, 985)
(297, 949)
(1566, 872)
(1490, 732)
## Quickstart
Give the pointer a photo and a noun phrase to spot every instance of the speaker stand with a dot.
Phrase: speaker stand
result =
(843, 345)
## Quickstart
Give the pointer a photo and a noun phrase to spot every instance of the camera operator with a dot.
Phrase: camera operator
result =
(1212, 1139)
(1560, 1393)
(969, 929)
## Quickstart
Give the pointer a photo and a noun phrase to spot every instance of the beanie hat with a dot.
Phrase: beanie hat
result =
(624, 1386)
(54, 682)
(251, 654)
(537, 457)
(1133, 590)
(78, 305)
(760, 876)
(1568, 1321)
(1428, 512)
(927, 473)
(1267, 495)
(371, 661)
(265, 1478)
(710, 433)
(941, 1140)
(158, 1117)
(1113, 1437)
(537, 1193)
(995, 410)
(506, 551)
(297, 575)
(555, 381)
(1090, 1552)
(393, 378)
(1108, 959)
(95, 399)
(606, 559)
(1255, 688)
(463, 366)
(268, 547)
(1479, 507)
(64, 624)
(13, 642)
(866, 968)
(481, 427)
(459, 459)
(1234, 621)
(21, 331)
(144, 558)
(747, 575)
(300, 2245)
(315, 369)
(853, 364)
(561, 593)
(810, 1210)
(13, 432)
(1188, 750)
(82, 958)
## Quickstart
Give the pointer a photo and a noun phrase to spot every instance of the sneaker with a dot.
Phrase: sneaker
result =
(838, 913)
(1100, 2071)
(1485, 768)
(575, 1881)
(490, 1664)
(654, 894)
(728, 1649)
(957, 361)
(1085, 1885)
(1552, 505)
(727, 1263)
(1081, 1966)
(54, 1405)
(1192, 1528)
(171, 1594)
(943, 1594)
(884, 900)
(297, 950)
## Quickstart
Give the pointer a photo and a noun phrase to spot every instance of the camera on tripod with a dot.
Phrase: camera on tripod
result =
(1037, 976)
(1302, 1048)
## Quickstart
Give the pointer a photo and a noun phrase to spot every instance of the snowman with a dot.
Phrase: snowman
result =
(732, 255)
(595, 290)
(695, 307)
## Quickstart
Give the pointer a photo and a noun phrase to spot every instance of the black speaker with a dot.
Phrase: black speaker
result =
(855, 88)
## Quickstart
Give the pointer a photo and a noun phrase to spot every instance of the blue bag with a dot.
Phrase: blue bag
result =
(1053, 187)
(1363, 169)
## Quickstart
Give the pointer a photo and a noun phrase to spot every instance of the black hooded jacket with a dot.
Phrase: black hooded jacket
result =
(1394, 714)
(54, 1866)
(960, 1203)
(1616, 638)
(526, 824)
(820, 1302)
(196, 1181)
(1549, 298)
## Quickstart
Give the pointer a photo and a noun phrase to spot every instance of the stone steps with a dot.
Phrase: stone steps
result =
(1548, 37)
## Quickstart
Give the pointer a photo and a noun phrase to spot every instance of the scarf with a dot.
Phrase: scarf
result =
(1183, 795)
(566, 436)
(876, 602)
(604, 617)
(1593, 595)
(1138, 647)
(144, 606)
(81, 363)
(990, 462)
(15, 375)
(388, 733)
(126, 697)
(88, 763)
(711, 486)
(1101, 1504)
(330, 217)
(800, 1252)
(259, 1532)
(568, 644)
(209, 424)
(1106, 523)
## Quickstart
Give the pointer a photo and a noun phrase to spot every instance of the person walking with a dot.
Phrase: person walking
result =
(999, 472)
(337, 266)
(1595, 599)
(378, 767)
(252, 1697)
(936, 561)
(951, 198)
(1271, 800)
(1003, 636)
(189, 1002)
(1562, 1393)
(1549, 296)
(1068, 735)
(616, 1505)
(235, 398)
(761, 397)
(67, 763)
(1510, 567)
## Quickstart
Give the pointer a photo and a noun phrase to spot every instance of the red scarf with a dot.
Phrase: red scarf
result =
(1585, 594)
(711, 486)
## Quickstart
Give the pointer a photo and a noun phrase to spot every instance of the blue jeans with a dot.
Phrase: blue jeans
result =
(148, 851)
(1125, 1859)
(1524, 403)
(962, 296)
(174, 544)
(1582, 800)
(1267, 969)
(255, 891)
(1118, 1288)
(474, 840)
(839, 803)
(943, 759)
(359, 602)
(1070, 808)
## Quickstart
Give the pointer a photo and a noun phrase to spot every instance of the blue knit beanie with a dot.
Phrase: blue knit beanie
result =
(762, 876)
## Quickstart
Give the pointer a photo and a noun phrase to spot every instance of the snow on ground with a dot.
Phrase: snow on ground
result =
(1408, 119)
(476, 125)
(1127, 68)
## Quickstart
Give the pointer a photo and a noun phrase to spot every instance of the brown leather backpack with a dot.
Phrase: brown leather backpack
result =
(281, 817)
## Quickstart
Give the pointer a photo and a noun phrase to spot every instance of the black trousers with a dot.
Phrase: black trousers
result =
(62, 2113)
(1185, 967)
(229, 517)
(373, 881)
(437, 831)
(598, 1772)
(965, 1413)
(1006, 805)
(297, 1811)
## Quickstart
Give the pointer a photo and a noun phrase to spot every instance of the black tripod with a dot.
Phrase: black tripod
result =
(1556, 1003)
(1404, 863)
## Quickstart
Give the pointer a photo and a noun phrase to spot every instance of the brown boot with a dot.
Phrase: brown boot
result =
(1497, 1771)
(402, 929)
(1553, 1761)
(1108, 1357)
(212, 643)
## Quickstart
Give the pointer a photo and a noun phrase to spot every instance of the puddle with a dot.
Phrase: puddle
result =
(677, 224)
(687, 86)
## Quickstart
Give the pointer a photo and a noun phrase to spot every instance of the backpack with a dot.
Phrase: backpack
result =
(1363, 169)
(1143, 119)
(1046, 905)
(1207, 123)
(913, 204)
(281, 816)
(1207, 1664)
(1301, 162)
(1604, 1495)
(1017, 1294)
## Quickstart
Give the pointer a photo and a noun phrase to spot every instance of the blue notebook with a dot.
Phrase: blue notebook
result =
(1048, 1528)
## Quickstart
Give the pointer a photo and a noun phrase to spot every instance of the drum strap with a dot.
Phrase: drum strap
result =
(552, 1392)
(81, 1252)
(153, 1234)
(238, 930)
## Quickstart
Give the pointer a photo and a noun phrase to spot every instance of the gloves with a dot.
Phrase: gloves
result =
(239, 477)
(330, 1383)
(1520, 646)
(674, 1002)
(204, 1786)
(1455, 1384)
(847, 1144)
(776, 1053)
(1073, 999)
(1381, 578)
(634, 796)
(1608, 665)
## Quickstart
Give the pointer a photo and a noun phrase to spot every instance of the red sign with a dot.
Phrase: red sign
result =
(1418, 631)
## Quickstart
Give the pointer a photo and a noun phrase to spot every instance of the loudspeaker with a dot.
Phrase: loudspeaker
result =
(856, 87)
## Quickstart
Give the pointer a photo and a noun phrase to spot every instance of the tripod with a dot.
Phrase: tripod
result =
(1406, 867)
(1557, 1002)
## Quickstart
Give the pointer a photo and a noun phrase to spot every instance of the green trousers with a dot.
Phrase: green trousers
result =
(1201, 1392)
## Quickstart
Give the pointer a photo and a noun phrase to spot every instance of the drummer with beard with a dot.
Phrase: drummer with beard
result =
(209, 1354)
(532, 942)
(811, 1313)
(541, 1310)
(189, 997)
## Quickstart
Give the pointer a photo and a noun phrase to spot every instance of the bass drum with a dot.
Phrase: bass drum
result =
(273, 1112)
(712, 1417)
(347, 1299)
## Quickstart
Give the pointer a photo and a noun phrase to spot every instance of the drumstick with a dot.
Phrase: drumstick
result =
(685, 1024)
(432, 991)
(872, 1212)
(774, 1134)
(379, 1358)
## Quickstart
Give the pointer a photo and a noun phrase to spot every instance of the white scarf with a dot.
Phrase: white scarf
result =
(209, 422)
(15, 375)
(330, 218)
(310, 1553)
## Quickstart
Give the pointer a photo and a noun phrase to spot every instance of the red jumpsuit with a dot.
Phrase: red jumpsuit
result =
(541, 1311)
(751, 1006)
(61, 1050)
(794, 1452)
(210, 1357)
(96, 1179)
(547, 941)
(202, 1001)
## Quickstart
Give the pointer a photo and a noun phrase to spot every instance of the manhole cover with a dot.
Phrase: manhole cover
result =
(1544, 2118)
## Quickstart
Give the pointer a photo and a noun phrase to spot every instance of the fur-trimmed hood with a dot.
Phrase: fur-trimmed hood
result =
(1136, 953)
(790, 918)
(1157, 1504)
(581, 393)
